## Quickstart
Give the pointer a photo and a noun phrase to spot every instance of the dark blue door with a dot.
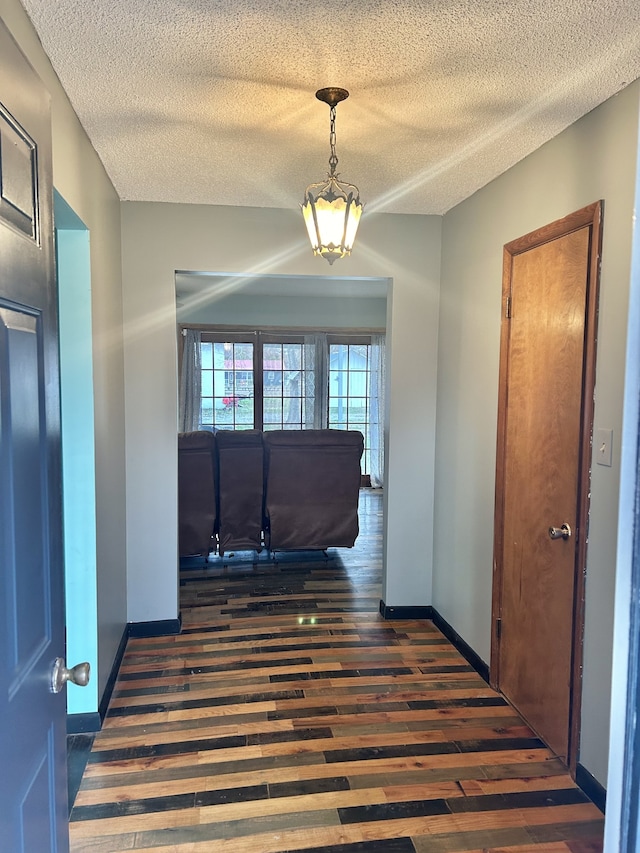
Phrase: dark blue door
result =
(33, 800)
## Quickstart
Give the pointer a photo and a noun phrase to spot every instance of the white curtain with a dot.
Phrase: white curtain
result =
(316, 382)
(377, 377)
(190, 382)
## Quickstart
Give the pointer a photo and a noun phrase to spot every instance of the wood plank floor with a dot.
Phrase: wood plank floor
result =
(290, 716)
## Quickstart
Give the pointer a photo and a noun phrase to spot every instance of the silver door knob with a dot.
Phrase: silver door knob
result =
(78, 674)
(563, 532)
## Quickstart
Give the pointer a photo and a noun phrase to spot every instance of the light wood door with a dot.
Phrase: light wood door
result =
(33, 810)
(548, 349)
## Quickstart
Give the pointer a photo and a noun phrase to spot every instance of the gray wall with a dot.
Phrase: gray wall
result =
(594, 159)
(161, 238)
(291, 311)
(623, 638)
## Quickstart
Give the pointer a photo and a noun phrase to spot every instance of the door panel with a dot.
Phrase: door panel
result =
(540, 477)
(18, 184)
(24, 446)
(32, 719)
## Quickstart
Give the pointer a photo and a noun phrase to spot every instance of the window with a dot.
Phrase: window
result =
(227, 396)
(283, 386)
(349, 373)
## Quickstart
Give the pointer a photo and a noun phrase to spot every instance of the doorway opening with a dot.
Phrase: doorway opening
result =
(78, 454)
(253, 385)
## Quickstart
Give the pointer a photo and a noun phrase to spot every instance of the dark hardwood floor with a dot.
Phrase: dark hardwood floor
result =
(290, 716)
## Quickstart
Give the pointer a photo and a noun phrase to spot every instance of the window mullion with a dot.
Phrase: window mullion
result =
(258, 382)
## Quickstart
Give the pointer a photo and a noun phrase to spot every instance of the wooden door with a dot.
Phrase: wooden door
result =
(33, 792)
(542, 480)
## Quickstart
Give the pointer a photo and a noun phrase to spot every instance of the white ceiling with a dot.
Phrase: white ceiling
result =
(212, 101)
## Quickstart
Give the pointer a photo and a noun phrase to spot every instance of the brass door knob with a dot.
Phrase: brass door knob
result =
(563, 532)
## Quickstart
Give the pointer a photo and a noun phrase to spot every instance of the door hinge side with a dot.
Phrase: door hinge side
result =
(498, 628)
(507, 308)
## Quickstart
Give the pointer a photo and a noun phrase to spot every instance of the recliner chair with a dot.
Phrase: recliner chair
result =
(197, 514)
(312, 488)
(240, 488)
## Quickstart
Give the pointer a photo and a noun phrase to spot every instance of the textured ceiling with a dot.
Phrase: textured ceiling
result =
(212, 101)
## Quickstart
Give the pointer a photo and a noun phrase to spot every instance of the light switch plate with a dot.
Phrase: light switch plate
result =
(603, 442)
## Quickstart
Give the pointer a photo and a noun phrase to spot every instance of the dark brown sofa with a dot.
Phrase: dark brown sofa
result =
(286, 489)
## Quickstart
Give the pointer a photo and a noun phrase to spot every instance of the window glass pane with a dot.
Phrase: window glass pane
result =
(272, 356)
(272, 383)
(292, 356)
(206, 356)
(207, 383)
(244, 412)
(273, 410)
(357, 412)
(338, 410)
(341, 388)
(243, 386)
(293, 410)
(220, 382)
(220, 355)
(339, 356)
(223, 411)
(243, 356)
(206, 410)
(357, 383)
(292, 382)
(358, 357)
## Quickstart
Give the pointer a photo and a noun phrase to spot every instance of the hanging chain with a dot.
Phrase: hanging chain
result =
(333, 159)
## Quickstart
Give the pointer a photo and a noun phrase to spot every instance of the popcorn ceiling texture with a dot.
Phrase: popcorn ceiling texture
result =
(212, 101)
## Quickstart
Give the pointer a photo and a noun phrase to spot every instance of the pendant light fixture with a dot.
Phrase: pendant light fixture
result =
(332, 208)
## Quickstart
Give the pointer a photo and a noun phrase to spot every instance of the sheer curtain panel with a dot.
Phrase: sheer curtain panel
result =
(190, 382)
(316, 374)
(377, 379)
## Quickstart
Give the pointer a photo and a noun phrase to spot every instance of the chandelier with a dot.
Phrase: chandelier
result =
(332, 208)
